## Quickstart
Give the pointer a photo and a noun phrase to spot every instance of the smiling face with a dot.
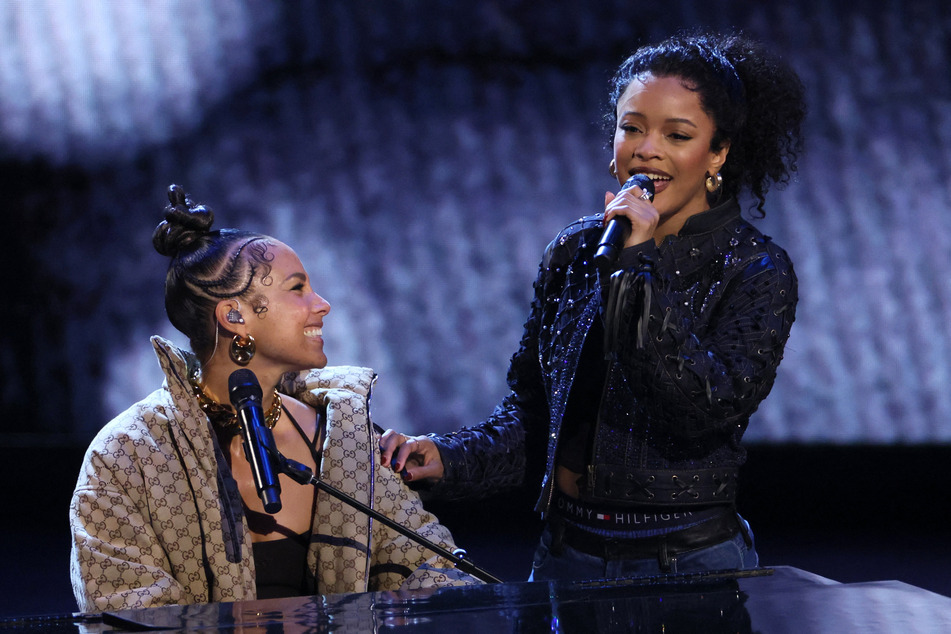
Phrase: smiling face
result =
(288, 334)
(663, 132)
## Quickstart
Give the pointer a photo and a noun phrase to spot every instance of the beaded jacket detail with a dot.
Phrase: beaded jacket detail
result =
(715, 305)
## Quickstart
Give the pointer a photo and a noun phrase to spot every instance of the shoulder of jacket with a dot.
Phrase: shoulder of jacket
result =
(571, 237)
(141, 424)
(356, 379)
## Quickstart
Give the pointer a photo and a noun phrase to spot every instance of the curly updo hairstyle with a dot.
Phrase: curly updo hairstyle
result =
(207, 266)
(755, 100)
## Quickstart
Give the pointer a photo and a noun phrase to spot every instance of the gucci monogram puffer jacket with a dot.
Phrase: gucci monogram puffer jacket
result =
(156, 517)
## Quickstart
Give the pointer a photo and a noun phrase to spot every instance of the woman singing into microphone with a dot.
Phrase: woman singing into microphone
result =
(635, 382)
(165, 510)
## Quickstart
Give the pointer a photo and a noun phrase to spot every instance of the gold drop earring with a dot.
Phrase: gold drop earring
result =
(242, 349)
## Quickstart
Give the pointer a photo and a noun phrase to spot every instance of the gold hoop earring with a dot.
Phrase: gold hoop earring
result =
(714, 183)
(242, 349)
(612, 168)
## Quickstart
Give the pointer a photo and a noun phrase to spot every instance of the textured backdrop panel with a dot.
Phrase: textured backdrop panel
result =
(419, 156)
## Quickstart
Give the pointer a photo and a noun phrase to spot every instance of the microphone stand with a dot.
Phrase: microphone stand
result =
(302, 474)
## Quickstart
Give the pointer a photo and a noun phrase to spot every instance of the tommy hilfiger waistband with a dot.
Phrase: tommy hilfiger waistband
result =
(626, 518)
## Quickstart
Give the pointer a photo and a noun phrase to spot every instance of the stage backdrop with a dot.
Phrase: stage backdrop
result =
(419, 156)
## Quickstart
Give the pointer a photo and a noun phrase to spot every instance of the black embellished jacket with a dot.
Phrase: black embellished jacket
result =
(694, 341)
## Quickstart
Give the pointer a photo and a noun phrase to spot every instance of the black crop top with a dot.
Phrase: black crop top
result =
(584, 400)
(280, 565)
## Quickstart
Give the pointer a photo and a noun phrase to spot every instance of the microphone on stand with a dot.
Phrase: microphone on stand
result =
(619, 228)
(459, 557)
(246, 395)
(266, 462)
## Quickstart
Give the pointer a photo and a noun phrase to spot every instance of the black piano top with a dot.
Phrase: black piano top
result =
(781, 599)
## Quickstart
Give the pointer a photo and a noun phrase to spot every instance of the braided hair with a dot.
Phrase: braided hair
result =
(206, 266)
(755, 100)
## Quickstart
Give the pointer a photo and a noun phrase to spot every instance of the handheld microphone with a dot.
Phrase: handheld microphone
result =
(619, 228)
(246, 395)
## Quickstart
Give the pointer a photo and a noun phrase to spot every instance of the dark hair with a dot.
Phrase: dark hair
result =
(207, 266)
(755, 100)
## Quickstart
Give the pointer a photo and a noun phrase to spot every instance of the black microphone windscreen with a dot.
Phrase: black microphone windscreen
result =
(643, 181)
(242, 385)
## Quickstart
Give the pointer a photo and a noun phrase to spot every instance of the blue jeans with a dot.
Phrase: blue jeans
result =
(732, 554)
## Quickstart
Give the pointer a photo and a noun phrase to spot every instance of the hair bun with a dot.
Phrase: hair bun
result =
(185, 223)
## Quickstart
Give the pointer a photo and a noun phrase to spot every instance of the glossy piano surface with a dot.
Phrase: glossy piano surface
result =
(781, 599)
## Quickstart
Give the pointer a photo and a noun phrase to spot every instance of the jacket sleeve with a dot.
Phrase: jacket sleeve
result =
(695, 380)
(508, 446)
(115, 562)
(397, 562)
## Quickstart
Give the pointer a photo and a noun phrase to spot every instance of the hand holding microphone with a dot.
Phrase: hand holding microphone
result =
(619, 228)
(246, 395)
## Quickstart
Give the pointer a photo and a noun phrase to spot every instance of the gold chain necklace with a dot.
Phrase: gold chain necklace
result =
(224, 417)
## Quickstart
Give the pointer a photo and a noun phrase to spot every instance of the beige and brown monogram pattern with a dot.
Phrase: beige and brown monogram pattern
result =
(155, 521)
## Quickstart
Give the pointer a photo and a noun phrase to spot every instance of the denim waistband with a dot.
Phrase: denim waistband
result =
(663, 547)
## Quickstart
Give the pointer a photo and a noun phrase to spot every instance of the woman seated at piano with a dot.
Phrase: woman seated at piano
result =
(166, 510)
